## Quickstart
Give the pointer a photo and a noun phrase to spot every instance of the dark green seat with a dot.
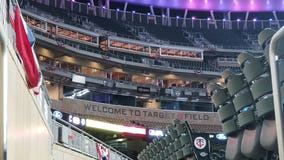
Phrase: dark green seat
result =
(187, 150)
(242, 100)
(265, 36)
(251, 66)
(177, 144)
(265, 107)
(184, 140)
(245, 118)
(261, 87)
(179, 154)
(234, 82)
(227, 111)
(230, 126)
(181, 128)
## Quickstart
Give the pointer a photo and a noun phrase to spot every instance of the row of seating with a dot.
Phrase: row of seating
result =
(245, 105)
(225, 38)
(175, 145)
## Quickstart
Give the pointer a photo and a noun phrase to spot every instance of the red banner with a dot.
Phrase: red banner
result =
(103, 152)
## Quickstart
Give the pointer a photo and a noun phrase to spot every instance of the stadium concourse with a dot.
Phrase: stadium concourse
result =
(141, 80)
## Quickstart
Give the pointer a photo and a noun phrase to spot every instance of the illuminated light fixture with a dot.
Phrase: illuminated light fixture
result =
(193, 18)
(252, 2)
(270, 19)
(57, 114)
(206, 1)
(117, 9)
(211, 136)
(73, 1)
(224, 19)
(83, 92)
(79, 93)
(133, 11)
(177, 17)
(104, 7)
(120, 139)
(208, 19)
(163, 15)
(156, 133)
(221, 136)
(148, 14)
(115, 127)
(89, 3)
(238, 20)
(254, 19)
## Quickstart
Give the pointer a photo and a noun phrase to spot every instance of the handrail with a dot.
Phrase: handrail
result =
(62, 122)
(276, 51)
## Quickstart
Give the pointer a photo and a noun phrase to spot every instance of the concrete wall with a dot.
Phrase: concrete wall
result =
(28, 133)
(62, 153)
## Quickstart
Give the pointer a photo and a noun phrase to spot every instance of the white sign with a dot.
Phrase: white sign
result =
(78, 79)
(157, 133)
(199, 142)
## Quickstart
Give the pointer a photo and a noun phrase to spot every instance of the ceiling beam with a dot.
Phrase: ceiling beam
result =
(184, 18)
(124, 11)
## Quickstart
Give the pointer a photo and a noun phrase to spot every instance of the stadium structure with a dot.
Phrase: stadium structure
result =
(145, 80)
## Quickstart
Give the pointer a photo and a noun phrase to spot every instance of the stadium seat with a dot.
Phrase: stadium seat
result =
(268, 137)
(265, 36)
(233, 148)
(234, 82)
(251, 66)
(226, 112)
(250, 145)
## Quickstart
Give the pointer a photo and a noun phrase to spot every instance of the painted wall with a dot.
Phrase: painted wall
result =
(28, 133)
(62, 153)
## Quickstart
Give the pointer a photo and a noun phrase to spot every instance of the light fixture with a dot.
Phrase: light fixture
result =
(115, 127)
(221, 136)
(238, 20)
(193, 18)
(117, 9)
(156, 133)
(177, 17)
(254, 19)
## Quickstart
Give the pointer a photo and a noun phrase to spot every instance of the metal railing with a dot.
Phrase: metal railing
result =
(188, 23)
(82, 142)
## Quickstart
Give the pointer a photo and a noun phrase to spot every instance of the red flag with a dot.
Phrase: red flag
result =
(25, 50)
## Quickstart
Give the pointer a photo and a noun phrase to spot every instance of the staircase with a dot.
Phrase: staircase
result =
(251, 39)
(197, 39)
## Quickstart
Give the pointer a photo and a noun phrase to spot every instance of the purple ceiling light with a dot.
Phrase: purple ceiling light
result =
(215, 5)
